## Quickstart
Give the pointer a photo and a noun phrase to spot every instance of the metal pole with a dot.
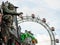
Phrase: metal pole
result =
(18, 28)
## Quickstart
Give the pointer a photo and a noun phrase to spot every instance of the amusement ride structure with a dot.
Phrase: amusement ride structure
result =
(11, 32)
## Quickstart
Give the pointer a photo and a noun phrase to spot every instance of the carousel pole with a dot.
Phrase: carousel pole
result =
(18, 28)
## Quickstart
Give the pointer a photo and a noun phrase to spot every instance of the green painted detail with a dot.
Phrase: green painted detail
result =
(26, 35)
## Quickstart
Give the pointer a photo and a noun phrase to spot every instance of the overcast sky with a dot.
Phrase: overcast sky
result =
(49, 9)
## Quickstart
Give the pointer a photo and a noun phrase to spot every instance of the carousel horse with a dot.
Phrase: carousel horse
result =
(8, 11)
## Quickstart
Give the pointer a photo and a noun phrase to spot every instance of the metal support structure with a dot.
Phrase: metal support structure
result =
(17, 26)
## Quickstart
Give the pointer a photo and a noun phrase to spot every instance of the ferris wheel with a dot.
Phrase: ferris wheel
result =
(42, 22)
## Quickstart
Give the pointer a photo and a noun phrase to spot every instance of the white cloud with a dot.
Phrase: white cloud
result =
(53, 3)
(49, 3)
(43, 39)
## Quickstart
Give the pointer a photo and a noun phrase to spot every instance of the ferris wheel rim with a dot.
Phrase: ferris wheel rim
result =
(45, 25)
